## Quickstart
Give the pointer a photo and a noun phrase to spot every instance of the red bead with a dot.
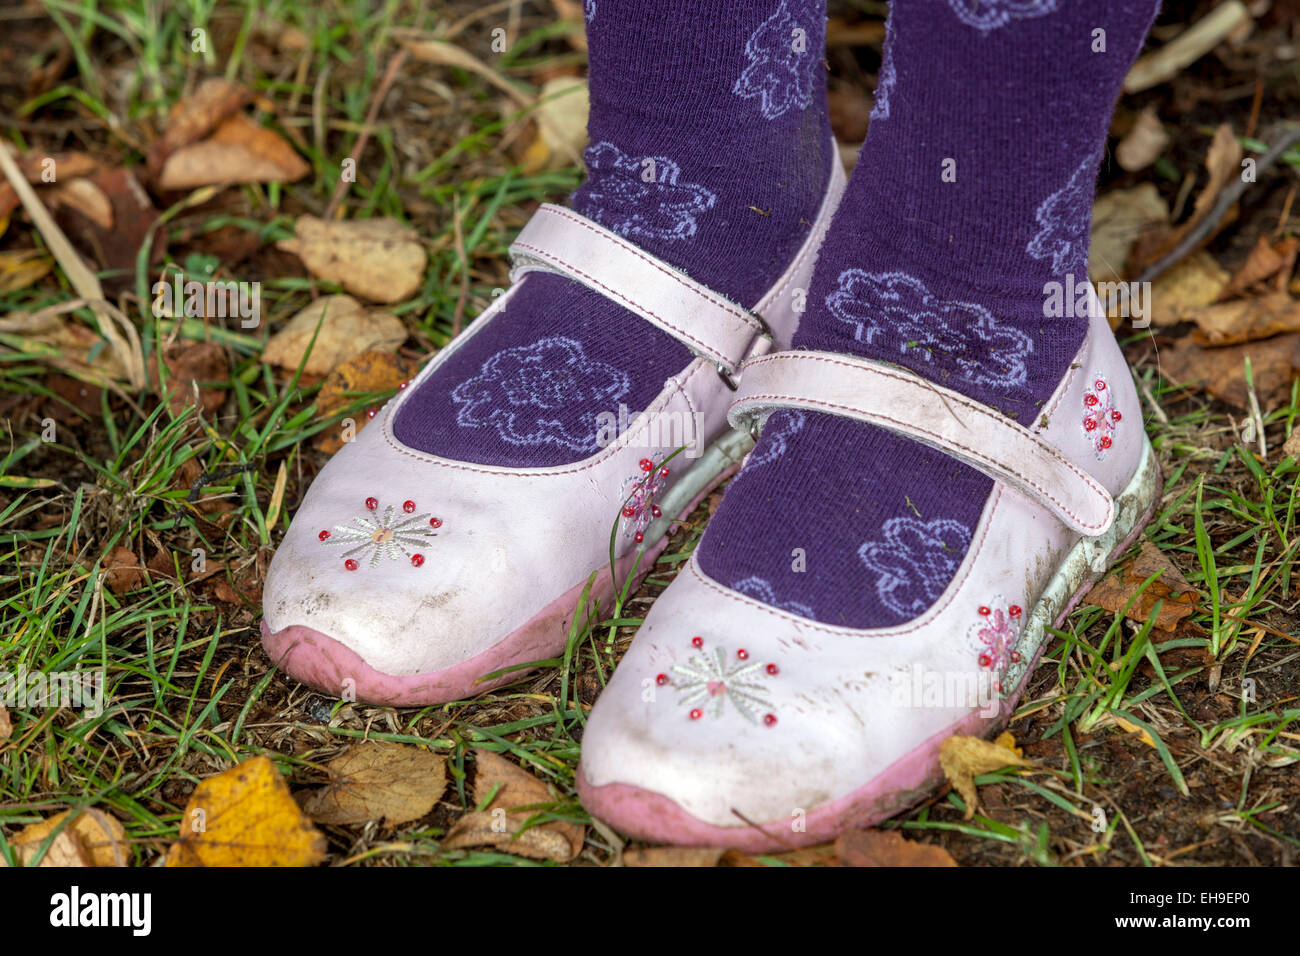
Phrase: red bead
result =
(1015, 657)
(696, 713)
(773, 669)
(1014, 610)
(663, 472)
(985, 660)
(647, 464)
(417, 559)
(742, 654)
(370, 413)
(350, 564)
(769, 720)
(661, 679)
(1090, 400)
(1105, 441)
(997, 686)
(984, 611)
(323, 535)
(1089, 425)
(638, 537)
(697, 642)
(403, 385)
(656, 511)
(1115, 415)
(435, 522)
(1099, 385)
(408, 506)
(629, 511)
(372, 503)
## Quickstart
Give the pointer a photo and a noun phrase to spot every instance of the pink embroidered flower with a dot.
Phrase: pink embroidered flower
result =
(640, 491)
(1100, 417)
(391, 535)
(995, 638)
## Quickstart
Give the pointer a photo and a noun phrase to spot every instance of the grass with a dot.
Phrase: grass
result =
(1148, 753)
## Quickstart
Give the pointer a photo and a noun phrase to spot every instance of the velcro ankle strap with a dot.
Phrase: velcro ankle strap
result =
(902, 402)
(561, 241)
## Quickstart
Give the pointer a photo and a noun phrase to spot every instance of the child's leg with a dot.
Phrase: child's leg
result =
(974, 189)
(710, 148)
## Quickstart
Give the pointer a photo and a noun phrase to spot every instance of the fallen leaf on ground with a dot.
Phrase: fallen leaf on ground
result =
(1117, 588)
(85, 197)
(1245, 320)
(888, 848)
(195, 116)
(1144, 143)
(347, 330)
(238, 151)
(1188, 285)
(1292, 444)
(116, 247)
(90, 838)
(6, 725)
(378, 259)
(191, 364)
(1142, 735)
(1194, 42)
(245, 817)
(561, 114)
(1119, 219)
(965, 758)
(379, 781)
(371, 371)
(63, 342)
(1222, 165)
(122, 571)
(672, 856)
(1222, 372)
(1267, 260)
(499, 824)
(23, 267)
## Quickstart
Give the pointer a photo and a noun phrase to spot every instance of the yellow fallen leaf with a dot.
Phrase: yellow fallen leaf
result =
(238, 151)
(888, 848)
(1133, 728)
(377, 259)
(965, 758)
(22, 268)
(6, 726)
(377, 780)
(371, 371)
(91, 838)
(245, 817)
(346, 330)
(1190, 284)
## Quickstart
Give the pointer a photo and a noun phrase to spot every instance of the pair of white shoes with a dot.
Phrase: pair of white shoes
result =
(405, 577)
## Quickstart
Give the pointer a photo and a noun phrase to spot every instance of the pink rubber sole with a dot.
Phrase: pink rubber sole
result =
(320, 661)
(655, 818)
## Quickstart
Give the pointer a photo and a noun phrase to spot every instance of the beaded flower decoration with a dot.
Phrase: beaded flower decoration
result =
(1100, 417)
(709, 681)
(640, 508)
(392, 535)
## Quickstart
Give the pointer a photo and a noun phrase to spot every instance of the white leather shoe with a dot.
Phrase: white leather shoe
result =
(405, 577)
(730, 723)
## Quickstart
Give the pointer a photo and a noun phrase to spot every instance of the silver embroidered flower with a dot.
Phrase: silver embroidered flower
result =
(392, 534)
(713, 680)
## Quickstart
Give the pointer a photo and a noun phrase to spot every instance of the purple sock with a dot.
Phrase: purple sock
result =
(723, 105)
(973, 190)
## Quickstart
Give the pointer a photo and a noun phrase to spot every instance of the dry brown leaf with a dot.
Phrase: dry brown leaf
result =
(1246, 320)
(1266, 261)
(561, 114)
(1222, 371)
(1119, 219)
(346, 330)
(379, 781)
(1117, 588)
(1223, 165)
(238, 151)
(672, 856)
(195, 116)
(888, 848)
(23, 267)
(6, 725)
(37, 166)
(378, 259)
(85, 197)
(122, 571)
(191, 364)
(497, 825)
(1188, 47)
(91, 838)
(1290, 447)
(442, 53)
(371, 371)
(245, 817)
(71, 342)
(1189, 284)
(1144, 143)
(965, 758)
(132, 217)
